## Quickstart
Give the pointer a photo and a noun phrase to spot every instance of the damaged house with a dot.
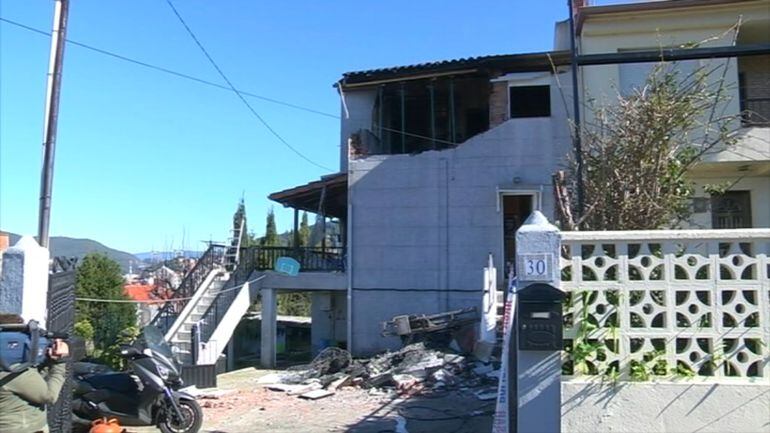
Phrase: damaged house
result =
(440, 163)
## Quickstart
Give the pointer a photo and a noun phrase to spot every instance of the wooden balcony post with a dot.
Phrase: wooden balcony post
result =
(296, 229)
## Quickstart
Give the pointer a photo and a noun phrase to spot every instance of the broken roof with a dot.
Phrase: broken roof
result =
(526, 62)
(327, 195)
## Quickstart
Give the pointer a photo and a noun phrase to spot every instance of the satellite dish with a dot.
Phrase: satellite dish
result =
(287, 265)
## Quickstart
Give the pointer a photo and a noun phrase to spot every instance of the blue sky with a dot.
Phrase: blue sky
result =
(144, 158)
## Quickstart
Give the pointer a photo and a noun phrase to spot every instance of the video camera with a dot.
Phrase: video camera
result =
(25, 345)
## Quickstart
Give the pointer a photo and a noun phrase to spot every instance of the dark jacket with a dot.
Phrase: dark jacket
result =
(23, 397)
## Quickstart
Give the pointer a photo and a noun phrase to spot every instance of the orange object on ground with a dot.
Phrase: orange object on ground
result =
(105, 426)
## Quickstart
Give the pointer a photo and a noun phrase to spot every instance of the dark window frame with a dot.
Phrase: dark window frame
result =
(537, 101)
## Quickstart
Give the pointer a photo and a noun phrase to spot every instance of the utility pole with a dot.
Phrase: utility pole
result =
(576, 109)
(53, 91)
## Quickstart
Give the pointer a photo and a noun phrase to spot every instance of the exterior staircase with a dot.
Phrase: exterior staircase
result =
(182, 336)
(192, 316)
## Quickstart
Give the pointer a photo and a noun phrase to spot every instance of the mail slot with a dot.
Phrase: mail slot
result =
(540, 318)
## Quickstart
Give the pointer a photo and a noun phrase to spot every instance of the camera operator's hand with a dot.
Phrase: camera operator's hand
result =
(59, 350)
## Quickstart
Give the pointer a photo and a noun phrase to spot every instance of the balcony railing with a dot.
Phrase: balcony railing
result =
(329, 259)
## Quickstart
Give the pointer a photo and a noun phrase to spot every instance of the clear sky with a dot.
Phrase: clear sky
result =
(144, 158)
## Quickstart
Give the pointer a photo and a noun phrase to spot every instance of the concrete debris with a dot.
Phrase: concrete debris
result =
(486, 394)
(316, 394)
(210, 393)
(414, 369)
(342, 381)
(313, 386)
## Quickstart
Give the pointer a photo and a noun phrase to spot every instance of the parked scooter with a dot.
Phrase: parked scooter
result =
(144, 395)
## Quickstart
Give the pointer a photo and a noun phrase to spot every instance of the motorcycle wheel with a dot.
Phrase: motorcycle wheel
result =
(193, 418)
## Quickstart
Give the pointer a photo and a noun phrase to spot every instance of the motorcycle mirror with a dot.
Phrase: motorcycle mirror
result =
(128, 350)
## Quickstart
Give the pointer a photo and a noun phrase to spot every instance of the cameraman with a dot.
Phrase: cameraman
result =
(24, 395)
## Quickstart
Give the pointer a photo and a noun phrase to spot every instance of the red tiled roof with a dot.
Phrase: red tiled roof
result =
(141, 292)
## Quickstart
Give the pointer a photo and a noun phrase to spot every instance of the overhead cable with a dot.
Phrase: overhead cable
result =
(238, 93)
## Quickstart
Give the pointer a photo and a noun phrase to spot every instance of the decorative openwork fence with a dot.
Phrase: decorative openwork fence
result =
(655, 304)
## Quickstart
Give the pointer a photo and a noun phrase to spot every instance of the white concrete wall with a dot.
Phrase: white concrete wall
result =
(329, 319)
(359, 104)
(24, 280)
(209, 351)
(665, 407)
(424, 224)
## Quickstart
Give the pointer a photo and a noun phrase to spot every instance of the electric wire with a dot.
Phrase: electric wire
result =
(163, 301)
(238, 93)
(166, 70)
(193, 78)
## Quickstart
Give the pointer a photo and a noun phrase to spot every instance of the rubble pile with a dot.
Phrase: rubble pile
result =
(414, 369)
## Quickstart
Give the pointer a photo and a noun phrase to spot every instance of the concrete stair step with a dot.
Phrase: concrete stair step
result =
(184, 346)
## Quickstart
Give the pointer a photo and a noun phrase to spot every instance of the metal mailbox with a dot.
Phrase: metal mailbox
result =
(540, 318)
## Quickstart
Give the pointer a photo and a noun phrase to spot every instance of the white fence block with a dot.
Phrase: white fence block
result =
(668, 304)
(24, 280)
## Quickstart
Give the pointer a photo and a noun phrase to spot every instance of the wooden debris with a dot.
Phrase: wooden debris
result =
(342, 381)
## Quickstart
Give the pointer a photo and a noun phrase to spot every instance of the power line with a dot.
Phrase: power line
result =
(166, 70)
(206, 82)
(240, 96)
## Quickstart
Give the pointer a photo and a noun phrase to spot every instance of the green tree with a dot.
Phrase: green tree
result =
(99, 277)
(271, 232)
(304, 231)
(294, 304)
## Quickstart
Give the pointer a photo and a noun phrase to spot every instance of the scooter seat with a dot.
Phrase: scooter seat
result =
(120, 382)
(89, 368)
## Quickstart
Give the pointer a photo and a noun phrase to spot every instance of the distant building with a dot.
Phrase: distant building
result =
(150, 300)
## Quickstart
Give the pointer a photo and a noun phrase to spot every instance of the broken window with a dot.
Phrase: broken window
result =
(430, 114)
(529, 101)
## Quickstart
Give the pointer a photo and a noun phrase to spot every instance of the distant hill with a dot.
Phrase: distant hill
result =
(71, 247)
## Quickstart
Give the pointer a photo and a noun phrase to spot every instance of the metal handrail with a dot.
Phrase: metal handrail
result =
(216, 311)
(329, 259)
(210, 259)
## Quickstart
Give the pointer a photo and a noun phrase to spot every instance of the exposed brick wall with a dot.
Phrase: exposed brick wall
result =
(498, 103)
(756, 82)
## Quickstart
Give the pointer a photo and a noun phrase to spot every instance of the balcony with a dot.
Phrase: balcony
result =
(328, 259)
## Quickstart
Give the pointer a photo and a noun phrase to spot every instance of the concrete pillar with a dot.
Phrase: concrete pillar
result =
(538, 379)
(322, 326)
(24, 280)
(269, 328)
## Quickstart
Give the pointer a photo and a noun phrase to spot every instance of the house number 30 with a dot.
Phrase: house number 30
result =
(535, 267)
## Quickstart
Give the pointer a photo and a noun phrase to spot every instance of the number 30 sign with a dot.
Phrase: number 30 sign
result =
(535, 267)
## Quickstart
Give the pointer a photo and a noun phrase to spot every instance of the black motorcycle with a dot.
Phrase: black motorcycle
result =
(147, 394)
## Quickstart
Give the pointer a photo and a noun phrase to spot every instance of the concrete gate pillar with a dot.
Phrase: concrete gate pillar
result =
(538, 379)
(24, 280)
(269, 327)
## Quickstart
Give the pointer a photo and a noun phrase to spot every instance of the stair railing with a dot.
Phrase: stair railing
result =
(215, 313)
(191, 282)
